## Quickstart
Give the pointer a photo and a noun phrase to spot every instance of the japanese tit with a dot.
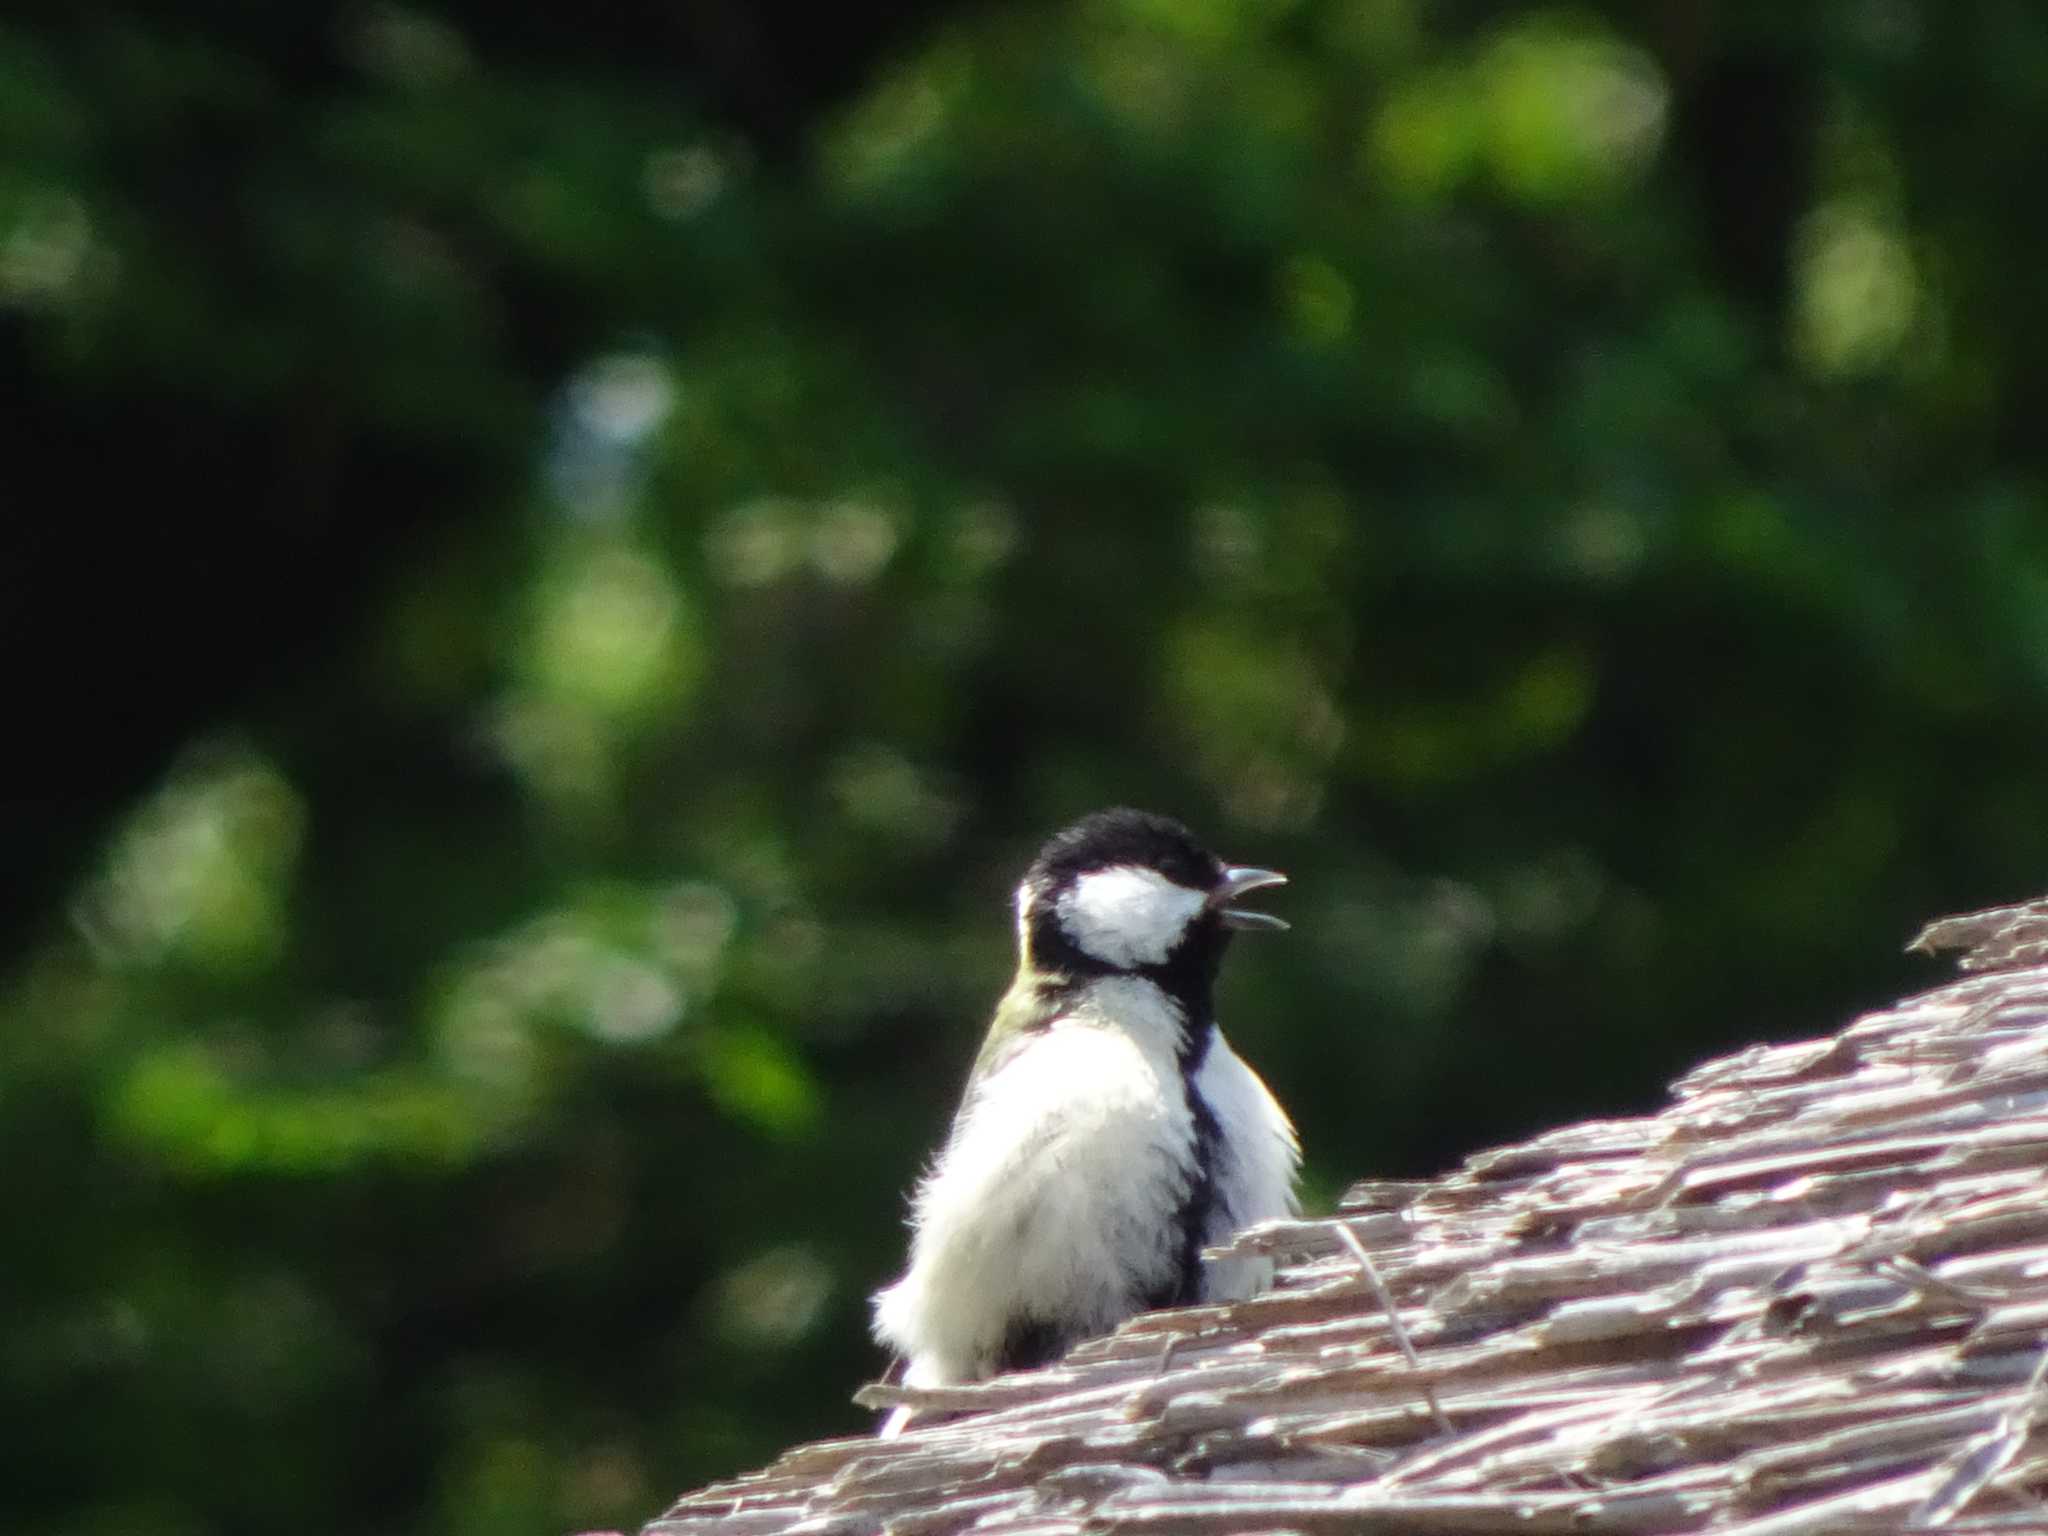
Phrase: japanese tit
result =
(1108, 1133)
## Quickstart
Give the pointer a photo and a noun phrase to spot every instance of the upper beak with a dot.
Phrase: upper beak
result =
(1240, 881)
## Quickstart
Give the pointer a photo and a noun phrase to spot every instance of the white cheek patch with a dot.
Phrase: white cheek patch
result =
(1128, 916)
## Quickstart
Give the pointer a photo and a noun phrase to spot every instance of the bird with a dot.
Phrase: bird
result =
(1107, 1133)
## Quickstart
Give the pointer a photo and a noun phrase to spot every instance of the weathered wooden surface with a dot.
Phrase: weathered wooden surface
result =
(1810, 1296)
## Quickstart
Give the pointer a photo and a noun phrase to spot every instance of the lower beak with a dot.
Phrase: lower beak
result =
(1242, 881)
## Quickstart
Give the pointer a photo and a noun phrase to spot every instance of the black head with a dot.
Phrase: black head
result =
(1125, 891)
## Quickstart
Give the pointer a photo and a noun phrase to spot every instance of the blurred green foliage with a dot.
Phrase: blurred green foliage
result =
(1564, 482)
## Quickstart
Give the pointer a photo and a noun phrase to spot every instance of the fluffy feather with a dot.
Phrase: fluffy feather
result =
(1259, 1158)
(1049, 1202)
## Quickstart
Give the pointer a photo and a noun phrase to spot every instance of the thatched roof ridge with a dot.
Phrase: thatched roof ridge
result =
(1809, 1296)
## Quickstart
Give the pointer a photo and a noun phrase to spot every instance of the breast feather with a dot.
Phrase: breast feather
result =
(1262, 1158)
(1046, 1200)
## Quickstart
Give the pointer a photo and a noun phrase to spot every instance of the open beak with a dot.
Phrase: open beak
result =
(1238, 882)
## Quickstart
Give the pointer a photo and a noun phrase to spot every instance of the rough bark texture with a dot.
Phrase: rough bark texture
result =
(1810, 1296)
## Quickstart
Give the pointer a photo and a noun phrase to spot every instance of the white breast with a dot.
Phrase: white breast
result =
(1057, 1193)
(1259, 1158)
(1053, 1196)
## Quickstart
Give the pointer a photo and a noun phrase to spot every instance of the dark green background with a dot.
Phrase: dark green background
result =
(556, 567)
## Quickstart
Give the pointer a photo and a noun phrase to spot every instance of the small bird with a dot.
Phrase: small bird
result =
(1108, 1133)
